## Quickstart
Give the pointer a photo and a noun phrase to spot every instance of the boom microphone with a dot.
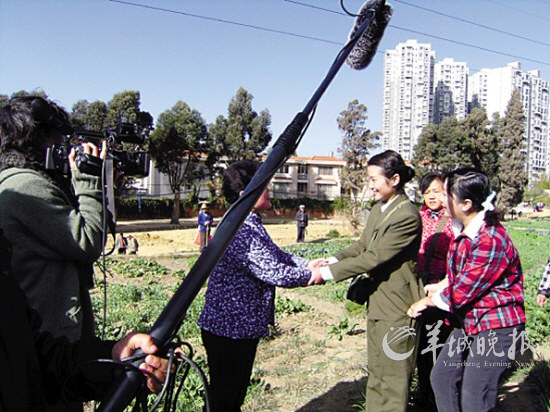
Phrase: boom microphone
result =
(365, 49)
(372, 20)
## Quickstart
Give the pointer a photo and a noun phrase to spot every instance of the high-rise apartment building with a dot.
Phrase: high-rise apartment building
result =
(450, 90)
(408, 95)
(493, 88)
(418, 91)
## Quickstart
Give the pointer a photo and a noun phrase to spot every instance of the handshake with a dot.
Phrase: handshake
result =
(315, 267)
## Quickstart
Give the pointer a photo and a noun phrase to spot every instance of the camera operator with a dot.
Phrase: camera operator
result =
(52, 221)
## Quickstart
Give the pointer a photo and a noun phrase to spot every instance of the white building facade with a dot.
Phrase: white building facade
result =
(315, 177)
(408, 95)
(418, 91)
(450, 90)
(493, 88)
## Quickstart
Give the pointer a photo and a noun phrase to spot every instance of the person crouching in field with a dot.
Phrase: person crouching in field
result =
(240, 298)
(484, 289)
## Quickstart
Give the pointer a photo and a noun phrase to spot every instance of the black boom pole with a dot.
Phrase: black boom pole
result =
(165, 328)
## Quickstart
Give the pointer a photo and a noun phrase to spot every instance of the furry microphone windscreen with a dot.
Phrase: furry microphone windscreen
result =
(363, 52)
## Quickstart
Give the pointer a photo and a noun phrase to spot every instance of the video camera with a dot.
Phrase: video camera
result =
(129, 163)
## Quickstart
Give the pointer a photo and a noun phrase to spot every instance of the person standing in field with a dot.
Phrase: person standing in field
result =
(387, 251)
(205, 220)
(302, 220)
(544, 286)
(240, 298)
(432, 267)
(133, 245)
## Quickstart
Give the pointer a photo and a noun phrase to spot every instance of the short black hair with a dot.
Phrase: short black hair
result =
(25, 124)
(236, 177)
(427, 180)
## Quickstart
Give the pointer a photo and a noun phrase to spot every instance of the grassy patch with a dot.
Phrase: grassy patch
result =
(533, 250)
(543, 224)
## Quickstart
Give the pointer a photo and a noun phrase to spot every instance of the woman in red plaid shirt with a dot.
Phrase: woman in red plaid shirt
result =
(484, 289)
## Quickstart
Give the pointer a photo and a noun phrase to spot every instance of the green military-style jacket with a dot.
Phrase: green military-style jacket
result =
(387, 251)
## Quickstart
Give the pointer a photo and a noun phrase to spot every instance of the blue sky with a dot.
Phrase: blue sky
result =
(92, 49)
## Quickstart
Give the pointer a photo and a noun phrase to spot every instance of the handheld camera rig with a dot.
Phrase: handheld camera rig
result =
(130, 163)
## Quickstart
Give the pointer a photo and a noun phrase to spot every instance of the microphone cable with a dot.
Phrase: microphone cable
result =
(179, 366)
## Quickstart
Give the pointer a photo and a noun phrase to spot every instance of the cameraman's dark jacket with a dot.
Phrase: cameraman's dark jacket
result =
(35, 365)
(55, 240)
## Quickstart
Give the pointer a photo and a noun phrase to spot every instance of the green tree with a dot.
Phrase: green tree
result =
(97, 115)
(123, 107)
(357, 143)
(79, 113)
(243, 134)
(513, 176)
(90, 116)
(175, 146)
(443, 147)
(485, 151)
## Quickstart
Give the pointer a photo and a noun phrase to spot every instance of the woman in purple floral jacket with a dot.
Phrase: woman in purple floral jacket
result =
(240, 299)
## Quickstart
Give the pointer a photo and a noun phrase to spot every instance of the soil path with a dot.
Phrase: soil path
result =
(181, 241)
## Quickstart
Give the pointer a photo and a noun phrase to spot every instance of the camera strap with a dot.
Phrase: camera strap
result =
(109, 197)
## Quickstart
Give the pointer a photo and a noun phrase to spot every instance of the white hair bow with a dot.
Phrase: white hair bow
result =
(488, 203)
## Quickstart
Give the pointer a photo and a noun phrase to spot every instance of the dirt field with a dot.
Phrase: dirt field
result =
(169, 242)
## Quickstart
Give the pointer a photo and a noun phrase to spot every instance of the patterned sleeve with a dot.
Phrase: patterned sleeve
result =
(544, 287)
(267, 262)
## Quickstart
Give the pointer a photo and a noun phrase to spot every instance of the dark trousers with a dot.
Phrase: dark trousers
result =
(301, 234)
(203, 236)
(436, 322)
(230, 364)
(468, 370)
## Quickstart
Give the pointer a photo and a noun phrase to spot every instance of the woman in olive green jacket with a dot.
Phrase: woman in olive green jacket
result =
(387, 251)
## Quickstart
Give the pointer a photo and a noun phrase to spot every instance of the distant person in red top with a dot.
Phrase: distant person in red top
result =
(432, 266)
(121, 243)
(484, 288)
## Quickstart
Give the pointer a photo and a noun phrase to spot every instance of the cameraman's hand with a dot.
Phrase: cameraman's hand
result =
(88, 148)
(153, 367)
